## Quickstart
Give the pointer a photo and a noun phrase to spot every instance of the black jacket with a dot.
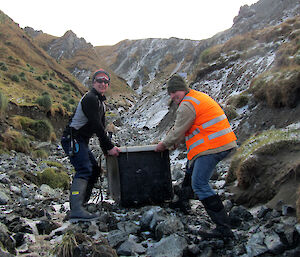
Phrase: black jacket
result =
(89, 119)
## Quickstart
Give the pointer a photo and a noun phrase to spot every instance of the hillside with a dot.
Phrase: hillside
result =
(252, 70)
(27, 70)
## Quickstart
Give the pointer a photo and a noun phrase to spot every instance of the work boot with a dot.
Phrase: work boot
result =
(215, 209)
(91, 183)
(184, 193)
(77, 196)
(88, 194)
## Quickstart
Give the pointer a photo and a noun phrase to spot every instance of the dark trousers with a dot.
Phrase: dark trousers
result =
(203, 168)
(83, 160)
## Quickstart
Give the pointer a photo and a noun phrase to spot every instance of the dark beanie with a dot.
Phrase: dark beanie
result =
(176, 83)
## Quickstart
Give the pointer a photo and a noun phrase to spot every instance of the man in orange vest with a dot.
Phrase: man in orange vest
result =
(208, 138)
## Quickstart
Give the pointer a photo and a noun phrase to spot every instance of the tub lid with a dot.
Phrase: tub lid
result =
(142, 148)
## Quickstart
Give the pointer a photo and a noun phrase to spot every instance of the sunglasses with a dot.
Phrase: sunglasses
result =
(102, 81)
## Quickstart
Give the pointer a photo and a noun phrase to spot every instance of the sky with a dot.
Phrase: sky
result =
(109, 22)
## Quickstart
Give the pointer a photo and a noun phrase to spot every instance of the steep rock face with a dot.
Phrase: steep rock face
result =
(259, 15)
(142, 60)
(67, 45)
(33, 33)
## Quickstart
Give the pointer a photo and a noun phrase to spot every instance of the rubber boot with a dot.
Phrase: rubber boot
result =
(77, 196)
(184, 194)
(89, 190)
(215, 209)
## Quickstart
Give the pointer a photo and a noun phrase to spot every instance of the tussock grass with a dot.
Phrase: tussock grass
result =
(67, 246)
(230, 112)
(55, 178)
(245, 163)
(53, 164)
(94, 248)
(3, 103)
(239, 43)
(211, 54)
(45, 102)
(40, 129)
(238, 101)
(14, 140)
(39, 154)
(278, 89)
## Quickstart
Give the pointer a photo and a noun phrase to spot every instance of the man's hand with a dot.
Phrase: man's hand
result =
(160, 147)
(114, 151)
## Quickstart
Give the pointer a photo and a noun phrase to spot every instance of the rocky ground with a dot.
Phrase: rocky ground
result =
(32, 220)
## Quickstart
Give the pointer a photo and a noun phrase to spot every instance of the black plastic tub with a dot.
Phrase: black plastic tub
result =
(139, 176)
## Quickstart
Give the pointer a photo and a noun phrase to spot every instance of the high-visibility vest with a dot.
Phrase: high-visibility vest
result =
(211, 128)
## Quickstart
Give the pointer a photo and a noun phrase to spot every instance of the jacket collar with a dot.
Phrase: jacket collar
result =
(100, 97)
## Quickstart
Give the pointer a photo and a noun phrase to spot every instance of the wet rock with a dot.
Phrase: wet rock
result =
(116, 237)
(288, 210)
(168, 227)
(4, 198)
(6, 239)
(46, 226)
(131, 248)
(173, 245)
(151, 217)
(274, 243)
(238, 214)
(255, 245)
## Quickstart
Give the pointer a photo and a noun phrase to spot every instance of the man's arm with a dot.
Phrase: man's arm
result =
(184, 119)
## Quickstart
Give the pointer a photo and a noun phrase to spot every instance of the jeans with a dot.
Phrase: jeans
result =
(84, 162)
(203, 168)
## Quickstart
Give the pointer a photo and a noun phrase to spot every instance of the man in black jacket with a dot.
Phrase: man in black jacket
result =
(87, 120)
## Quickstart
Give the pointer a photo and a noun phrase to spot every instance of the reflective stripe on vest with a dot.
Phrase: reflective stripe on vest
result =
(210, 137)
(206, 133)
(213, 121)
(194, 133)
(219, 133)
(196, 101)
(199, 142)
(206, 125)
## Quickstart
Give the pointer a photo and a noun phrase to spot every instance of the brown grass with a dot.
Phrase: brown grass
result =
(211, 54)
(239, 43)
(14, 140)
(278, 89)
(246, 172)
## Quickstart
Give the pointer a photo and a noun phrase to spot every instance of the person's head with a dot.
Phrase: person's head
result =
(101, 80)
(177, 88)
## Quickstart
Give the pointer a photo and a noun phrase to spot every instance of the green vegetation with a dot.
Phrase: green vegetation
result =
(53, 164)
(54, 178)
(277, 88)
(67, 246)
(3, 66)
(44, 101)
(238, 101)
(40, 129)
(39, 154)
(230, 112)
(15, 78)
(3, 103)
(23, 76)
(14, 140)
(31, 69)
(51, 85)
(210, 54)
(268, 142)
